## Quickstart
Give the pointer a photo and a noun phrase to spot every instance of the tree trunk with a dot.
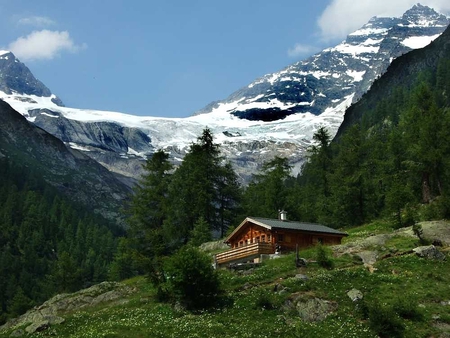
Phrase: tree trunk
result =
(426, 190)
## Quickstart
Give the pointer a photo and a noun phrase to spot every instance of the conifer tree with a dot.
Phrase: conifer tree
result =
(149, 208)
(201, 187)
(267, 192)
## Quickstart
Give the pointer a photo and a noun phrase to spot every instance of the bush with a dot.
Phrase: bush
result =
(408, 309)
(191, 279)
(409, 216)
(265, 300)
(418, 231)
(323, 257)
(439, 208)
(384, 321)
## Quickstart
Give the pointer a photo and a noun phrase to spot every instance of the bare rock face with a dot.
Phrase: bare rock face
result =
(310, 309)
(42, 317)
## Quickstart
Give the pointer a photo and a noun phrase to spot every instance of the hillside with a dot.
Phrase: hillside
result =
(73, 173)
(406, 293)
(402, 73)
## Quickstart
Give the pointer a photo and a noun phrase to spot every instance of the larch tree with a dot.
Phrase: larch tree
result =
(148, 210)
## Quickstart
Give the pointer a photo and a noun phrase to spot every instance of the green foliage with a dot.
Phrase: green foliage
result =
(384, 321)
(267, 193)
(418, 231)
(407, 308)
(65, 275)
(436, 209)
(200, 233)
(265, 300)
(203, 186)
(123, 266)
(323, 257)
(393, 159)
(191, 279)
(19, 304)
(149, 207)
(47, 244)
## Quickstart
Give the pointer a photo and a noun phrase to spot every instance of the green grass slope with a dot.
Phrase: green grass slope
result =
(403, 296)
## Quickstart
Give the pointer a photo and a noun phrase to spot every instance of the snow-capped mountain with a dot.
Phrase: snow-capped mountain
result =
(274, 115)
(331, 77)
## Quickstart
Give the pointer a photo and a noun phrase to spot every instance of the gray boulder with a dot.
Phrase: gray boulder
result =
(429, 252)
(315, 309)
(309, 309)
(355, 295)
(301, 276)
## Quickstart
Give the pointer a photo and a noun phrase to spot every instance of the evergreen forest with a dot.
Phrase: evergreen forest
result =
(48, 245)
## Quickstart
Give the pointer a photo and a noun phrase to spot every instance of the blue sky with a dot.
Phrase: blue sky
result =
(173, 57)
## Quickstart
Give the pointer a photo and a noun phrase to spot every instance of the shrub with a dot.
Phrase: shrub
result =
(201, 233)
(418, 231)
(384, 321)
(265, 300)
(323, 257)
(191, 279)
(407, 308)
(409, 216)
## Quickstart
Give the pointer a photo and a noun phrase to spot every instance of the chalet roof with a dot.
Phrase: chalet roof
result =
(270, 224)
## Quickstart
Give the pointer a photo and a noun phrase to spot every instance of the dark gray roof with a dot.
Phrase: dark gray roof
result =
(312, 227)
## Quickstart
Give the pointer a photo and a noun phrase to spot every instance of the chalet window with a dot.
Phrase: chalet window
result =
(257, 239)
(263, 238)
(268, 238)
(241, 243)
(320, 240)
(280, 237)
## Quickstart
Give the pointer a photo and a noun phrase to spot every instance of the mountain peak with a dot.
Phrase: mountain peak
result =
(16, 78)
(420, 15)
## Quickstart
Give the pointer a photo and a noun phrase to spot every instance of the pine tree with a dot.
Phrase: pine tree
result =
(267, 192)
(201, 233)
(426, 141)
(149, 208)
(201, 187)
(348, 200)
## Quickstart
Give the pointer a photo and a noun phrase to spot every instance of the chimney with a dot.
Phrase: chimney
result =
(282, 216)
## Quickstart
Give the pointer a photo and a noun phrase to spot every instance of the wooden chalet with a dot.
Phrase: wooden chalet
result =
(257, 236)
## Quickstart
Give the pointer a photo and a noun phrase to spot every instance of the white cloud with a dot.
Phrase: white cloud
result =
(36, 21)
(43, 45)
(301, 50)
(342, 17)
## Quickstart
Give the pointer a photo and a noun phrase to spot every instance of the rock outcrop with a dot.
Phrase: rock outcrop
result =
(49, 313)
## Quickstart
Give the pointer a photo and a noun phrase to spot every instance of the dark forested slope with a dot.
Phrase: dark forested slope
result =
(402, 73)
(79, 177)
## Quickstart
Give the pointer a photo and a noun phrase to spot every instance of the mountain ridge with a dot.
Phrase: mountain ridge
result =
(404, 69)
(70, 171)
(274, 115)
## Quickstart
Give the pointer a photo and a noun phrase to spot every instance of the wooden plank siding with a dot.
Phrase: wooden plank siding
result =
(288, 240)
(257, 236)
(247, 252)
(251, 234)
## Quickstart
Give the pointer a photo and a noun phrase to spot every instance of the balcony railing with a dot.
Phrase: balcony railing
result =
(242, 253)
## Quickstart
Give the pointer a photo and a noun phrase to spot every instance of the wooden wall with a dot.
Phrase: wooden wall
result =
(251, 233)
(286, 239)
